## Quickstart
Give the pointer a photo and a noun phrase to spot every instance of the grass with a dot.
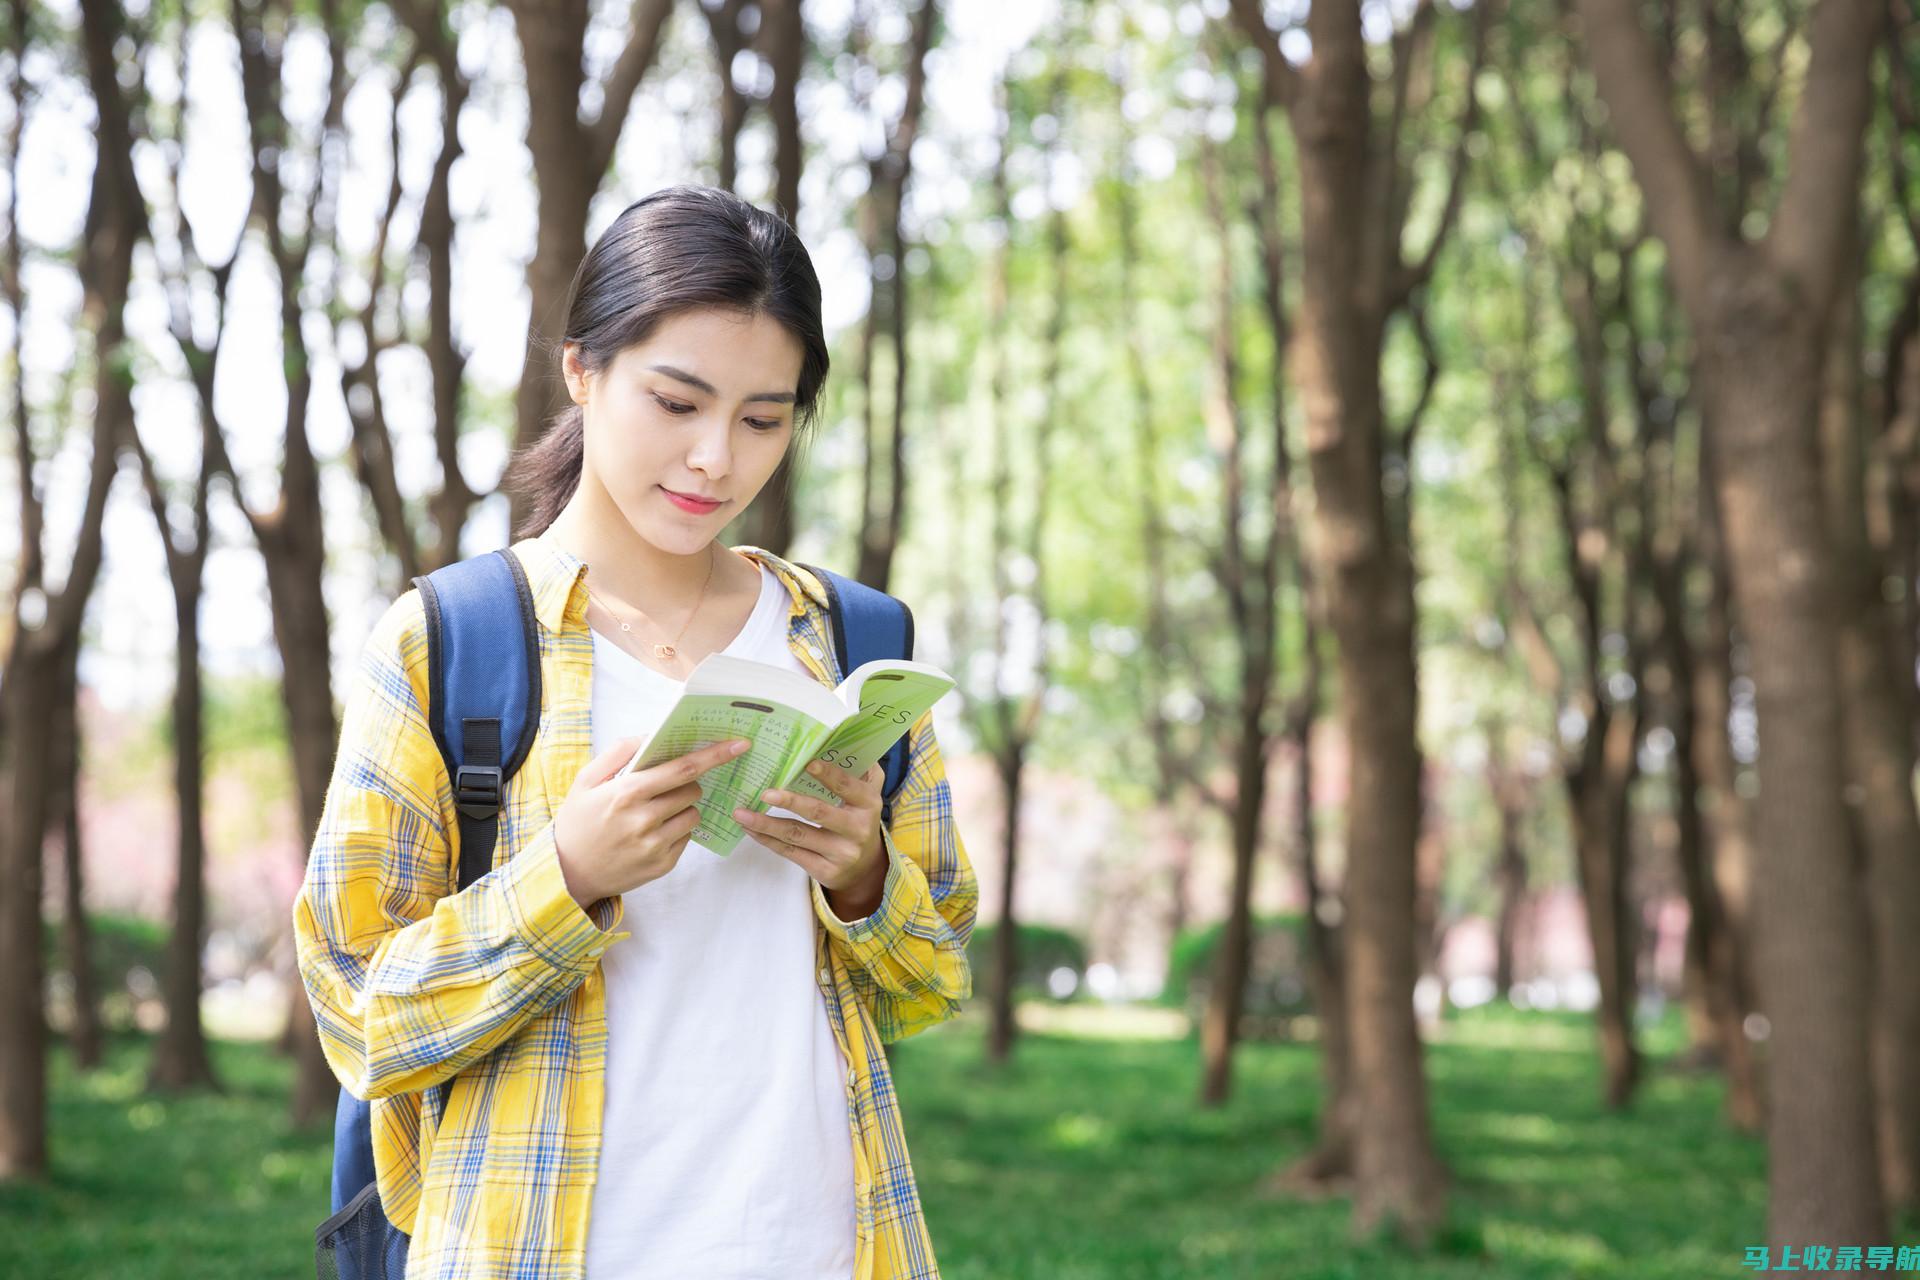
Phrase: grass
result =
(1085, 1159)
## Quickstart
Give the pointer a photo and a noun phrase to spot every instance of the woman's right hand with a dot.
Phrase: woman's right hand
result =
(615, 834)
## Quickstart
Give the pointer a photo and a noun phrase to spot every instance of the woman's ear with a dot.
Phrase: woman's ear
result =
(574, 372)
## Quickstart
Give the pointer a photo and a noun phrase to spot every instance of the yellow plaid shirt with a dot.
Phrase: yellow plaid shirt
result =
(476, 1020)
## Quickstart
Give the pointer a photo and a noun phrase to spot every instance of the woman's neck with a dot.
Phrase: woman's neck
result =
(633, 570)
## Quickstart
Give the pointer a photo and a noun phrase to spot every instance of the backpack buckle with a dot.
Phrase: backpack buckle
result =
(476, 790)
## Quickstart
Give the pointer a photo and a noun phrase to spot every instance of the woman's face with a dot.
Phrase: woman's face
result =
(702, 408)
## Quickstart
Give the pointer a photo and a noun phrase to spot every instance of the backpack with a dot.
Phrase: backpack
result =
(483, 691)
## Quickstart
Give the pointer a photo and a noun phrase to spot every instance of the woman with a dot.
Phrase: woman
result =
(703, 1092)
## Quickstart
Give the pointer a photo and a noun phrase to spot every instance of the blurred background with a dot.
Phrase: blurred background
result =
(1422, 501)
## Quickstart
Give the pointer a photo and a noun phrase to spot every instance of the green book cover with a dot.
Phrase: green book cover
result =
(791, 720)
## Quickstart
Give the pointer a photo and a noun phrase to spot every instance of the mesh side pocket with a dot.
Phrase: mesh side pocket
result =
(358, 1243)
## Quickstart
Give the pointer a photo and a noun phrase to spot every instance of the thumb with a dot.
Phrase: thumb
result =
(608, 762)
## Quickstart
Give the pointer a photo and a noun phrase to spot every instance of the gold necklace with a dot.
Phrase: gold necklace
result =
(664, 650)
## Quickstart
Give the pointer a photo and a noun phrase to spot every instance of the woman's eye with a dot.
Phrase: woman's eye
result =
(673, 406)
(764, 424)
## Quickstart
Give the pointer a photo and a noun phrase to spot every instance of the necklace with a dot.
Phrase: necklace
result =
(664, 650)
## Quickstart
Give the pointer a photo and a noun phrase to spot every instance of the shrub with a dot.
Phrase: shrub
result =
(1042, 949)
(1276, 973)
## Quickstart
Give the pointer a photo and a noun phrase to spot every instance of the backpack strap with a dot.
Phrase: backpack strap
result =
(869, 624)
(483, 699)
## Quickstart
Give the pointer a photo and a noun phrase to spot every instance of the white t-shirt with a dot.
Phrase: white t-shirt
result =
(725, 1150)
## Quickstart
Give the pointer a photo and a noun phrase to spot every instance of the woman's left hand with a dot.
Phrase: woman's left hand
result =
(844, 853)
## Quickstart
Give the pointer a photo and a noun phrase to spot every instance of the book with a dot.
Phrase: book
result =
(790, 720)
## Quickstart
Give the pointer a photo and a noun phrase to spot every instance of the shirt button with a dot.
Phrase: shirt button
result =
(814, 649)
(825, 976)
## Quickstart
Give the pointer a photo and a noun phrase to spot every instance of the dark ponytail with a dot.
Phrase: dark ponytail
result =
(676, 249)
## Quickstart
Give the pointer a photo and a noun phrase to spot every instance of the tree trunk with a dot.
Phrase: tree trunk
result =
(723, 24)
(1226, 1000)
(1599, 791)
(1368, 578)
(1716, 992)
(84, 1034)
(1760, 311)
(1879, 764)
(1330, 1164)
(1510, 864)
(25, 771)
(1002, 1031)
(180, 1060)
(570, 158)
(31, 682)
(294, 560)
(1811, 925)
(782, 41)
(1733, 858)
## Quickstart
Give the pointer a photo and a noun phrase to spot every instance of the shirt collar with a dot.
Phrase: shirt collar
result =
(556, 578)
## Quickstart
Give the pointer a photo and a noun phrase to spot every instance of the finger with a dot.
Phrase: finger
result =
(812, 862)
(847, 820)
(686, 768)
(840, 782)
(608, 762)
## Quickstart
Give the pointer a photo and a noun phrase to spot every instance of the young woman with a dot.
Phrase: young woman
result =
(702, 1092)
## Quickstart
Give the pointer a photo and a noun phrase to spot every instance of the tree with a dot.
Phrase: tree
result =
(1760, 308)
(46, 623)
(1008, 721)
(1248, 576)
(361, 338)
(571, 156)
(884, 236)
(1355, 190)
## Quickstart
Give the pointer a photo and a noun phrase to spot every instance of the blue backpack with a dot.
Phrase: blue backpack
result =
(483, 689)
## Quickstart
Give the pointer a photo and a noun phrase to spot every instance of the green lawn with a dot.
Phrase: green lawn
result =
(1085, 1160)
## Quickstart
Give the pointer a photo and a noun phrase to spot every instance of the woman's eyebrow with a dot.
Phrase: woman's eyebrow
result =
(701, 384)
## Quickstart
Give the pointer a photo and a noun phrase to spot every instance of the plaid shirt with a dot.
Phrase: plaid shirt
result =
(476, 1020)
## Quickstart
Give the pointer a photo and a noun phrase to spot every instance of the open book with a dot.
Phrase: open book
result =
(791, 720)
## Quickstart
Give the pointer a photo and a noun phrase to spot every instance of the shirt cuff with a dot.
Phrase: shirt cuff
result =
(875, 932)
(545, 914)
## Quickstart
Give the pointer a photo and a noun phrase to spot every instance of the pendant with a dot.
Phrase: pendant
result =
(664, 650)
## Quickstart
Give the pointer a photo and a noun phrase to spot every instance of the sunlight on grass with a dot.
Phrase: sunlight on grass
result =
(1074, 1131)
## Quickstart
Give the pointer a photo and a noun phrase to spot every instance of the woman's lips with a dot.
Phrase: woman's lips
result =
(686, 503)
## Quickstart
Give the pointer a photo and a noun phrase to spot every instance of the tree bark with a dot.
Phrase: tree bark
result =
(1002, 1027)
(1879, 763)
(180, 1059)
(723, 26)
(1728, 821)
(1598, 790)
(84, 1033)
(1510, 863)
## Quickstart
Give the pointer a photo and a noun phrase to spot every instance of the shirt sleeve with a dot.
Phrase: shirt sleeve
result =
(908, 960)
(411, 982)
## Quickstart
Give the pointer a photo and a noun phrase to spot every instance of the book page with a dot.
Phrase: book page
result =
(893, 697)
(783, 740)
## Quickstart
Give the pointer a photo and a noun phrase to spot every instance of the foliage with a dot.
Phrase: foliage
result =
(1276, 975)
(1042, 949)
(118, 946)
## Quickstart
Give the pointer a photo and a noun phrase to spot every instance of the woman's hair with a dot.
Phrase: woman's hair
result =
(677, 249)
